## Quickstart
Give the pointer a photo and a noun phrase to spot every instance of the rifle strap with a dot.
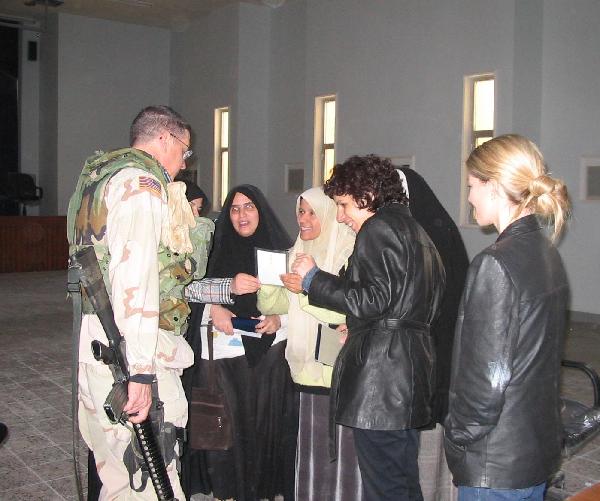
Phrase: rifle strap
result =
(74, 290)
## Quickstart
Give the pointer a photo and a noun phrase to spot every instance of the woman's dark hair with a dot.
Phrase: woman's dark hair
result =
(370, 180)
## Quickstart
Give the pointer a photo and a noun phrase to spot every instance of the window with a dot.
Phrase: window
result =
(324, 141)
(221, 161)
(478, 127)
(590, 179)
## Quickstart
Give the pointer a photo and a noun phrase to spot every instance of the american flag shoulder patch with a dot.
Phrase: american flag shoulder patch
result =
(149, 184)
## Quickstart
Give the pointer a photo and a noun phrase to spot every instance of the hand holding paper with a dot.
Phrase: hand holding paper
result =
(243, 283)
(292, 282)
(303, 264)
(269, 265)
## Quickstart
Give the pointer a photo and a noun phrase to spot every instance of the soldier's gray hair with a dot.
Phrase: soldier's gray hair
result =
(153, 120)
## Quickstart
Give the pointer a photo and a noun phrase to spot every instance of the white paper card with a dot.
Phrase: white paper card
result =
(246, 333)
(269, 265)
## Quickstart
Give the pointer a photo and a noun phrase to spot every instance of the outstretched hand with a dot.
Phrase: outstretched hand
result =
(243, 283)
(303, 264)
(292, 282)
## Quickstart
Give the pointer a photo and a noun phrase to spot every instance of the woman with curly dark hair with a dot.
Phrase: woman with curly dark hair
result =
(390, 293)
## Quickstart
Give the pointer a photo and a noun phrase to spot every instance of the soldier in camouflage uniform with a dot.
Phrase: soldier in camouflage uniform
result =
(139, 223)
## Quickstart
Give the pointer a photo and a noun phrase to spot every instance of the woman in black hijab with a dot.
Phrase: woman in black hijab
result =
(251, 371)
(431, 215)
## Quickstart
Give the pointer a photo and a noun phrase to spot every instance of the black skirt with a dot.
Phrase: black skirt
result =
(264, 408)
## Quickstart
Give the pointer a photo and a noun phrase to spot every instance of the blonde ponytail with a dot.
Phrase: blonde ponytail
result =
(517, 165)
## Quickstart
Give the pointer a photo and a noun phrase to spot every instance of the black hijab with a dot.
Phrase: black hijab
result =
(431, 215)
(193, 191)
(233, 254)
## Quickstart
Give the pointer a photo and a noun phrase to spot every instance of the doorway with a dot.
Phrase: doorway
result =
(9, 114)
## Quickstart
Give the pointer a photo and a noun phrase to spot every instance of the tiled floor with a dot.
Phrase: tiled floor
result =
(35, 341)
(35, 336)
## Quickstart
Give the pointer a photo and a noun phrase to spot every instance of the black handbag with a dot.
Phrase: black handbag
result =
(210, 426)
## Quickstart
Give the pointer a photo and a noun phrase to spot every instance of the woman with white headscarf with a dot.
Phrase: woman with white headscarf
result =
(331, 244)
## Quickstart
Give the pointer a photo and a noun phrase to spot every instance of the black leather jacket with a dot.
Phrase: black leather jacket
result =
(503, 429)
(383, 377)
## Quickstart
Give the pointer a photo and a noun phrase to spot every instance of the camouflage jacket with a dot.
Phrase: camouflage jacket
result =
(120, 207)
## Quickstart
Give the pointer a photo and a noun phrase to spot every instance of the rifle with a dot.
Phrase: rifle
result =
(114, 355)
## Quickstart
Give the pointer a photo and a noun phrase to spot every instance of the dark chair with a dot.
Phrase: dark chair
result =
(581, 424)
(21, 189)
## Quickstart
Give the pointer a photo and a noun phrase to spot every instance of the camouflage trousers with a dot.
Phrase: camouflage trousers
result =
(109, 441)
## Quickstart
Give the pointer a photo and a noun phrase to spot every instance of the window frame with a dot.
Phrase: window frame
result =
(470, 137)
(221, 175)
(320, 147)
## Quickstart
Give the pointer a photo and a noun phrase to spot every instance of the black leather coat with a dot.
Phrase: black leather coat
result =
(384, 375)
(503, 429)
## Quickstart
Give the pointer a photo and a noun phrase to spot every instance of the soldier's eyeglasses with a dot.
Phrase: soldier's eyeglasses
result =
(187, 153)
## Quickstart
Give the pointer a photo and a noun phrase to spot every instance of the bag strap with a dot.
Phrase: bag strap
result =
(211, 362)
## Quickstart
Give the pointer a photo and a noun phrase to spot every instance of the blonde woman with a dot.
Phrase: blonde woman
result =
(503, 428)
(331, 244)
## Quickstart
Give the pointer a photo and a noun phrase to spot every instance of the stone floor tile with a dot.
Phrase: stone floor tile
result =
(62, 436)
(35, 404)
(22, 442)
(9, 386)
(14, 478)
(27, 378)
(23, 395)
(42, 410)
(53, 423)
(21, 428)
(66, 486)
(583, 467)
(51, 391)
(8, 459)
(590, 446)
(32, 492)
(592, 454)
(42, 455)
(55, 469)
(575, 483)
(10, 418)
(63, 407)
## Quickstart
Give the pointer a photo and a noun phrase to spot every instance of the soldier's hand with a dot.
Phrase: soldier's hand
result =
(243, 283)
(139, 401)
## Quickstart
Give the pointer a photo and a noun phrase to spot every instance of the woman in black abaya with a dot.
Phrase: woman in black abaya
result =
(435, 478)
(252, 372)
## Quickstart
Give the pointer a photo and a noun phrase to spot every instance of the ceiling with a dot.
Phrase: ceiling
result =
(173, 14)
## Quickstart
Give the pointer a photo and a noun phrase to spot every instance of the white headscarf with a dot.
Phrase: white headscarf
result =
(331, 249)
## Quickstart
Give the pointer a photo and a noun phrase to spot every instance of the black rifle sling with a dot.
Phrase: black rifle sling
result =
(74, 290)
